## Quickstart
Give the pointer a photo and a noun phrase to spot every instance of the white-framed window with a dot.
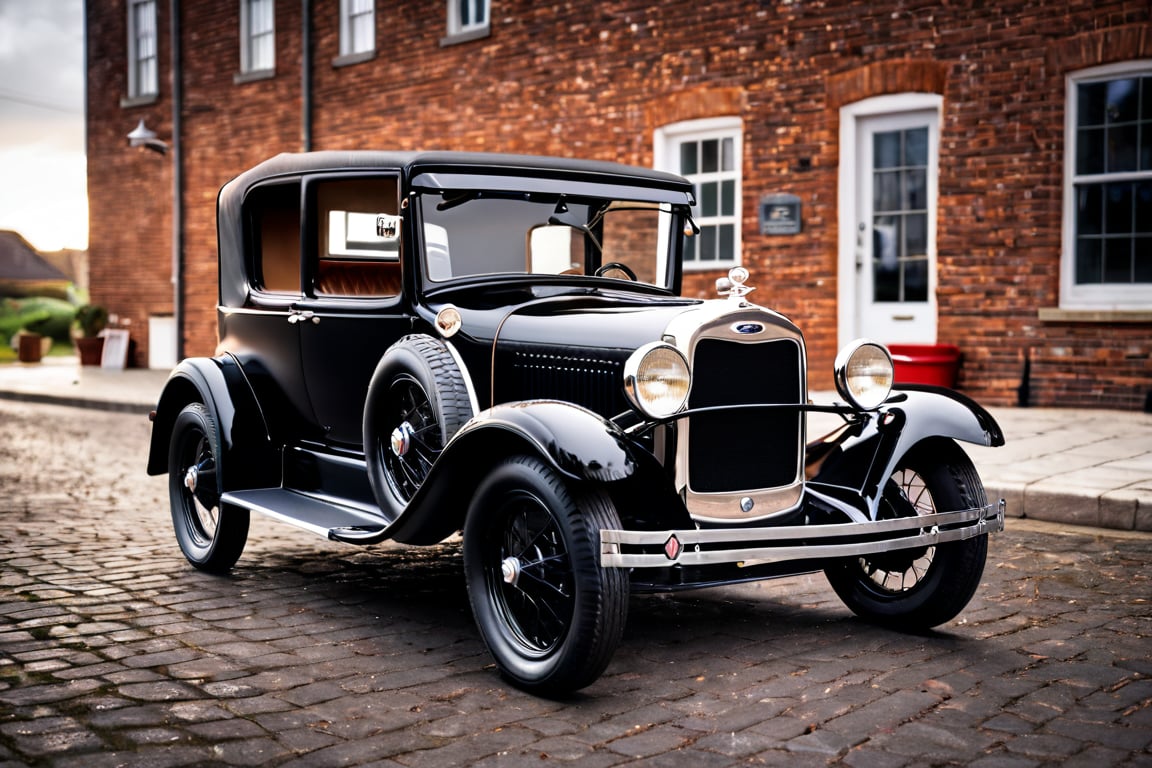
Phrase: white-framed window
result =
(468, 17)
(357, 27)
(257, 36)
(143, 56)
(1107, 234)
(709, 153)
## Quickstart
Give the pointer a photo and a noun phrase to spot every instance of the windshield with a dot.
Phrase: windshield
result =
(469, 233)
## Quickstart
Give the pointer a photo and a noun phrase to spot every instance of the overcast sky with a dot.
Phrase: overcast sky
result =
(43, 188)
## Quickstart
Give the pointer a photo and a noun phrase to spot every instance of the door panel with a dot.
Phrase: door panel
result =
(896, 222)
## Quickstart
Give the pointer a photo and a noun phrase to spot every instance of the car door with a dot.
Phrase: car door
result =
(354, 307)
(263, 333)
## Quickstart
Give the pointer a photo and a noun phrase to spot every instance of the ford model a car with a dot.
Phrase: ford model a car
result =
(415, 345)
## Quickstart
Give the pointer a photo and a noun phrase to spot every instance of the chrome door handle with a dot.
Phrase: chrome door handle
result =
(299, 317)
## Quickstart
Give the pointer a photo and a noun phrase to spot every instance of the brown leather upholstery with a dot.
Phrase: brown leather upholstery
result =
(358, 278)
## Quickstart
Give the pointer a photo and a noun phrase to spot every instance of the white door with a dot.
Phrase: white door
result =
(893, 218)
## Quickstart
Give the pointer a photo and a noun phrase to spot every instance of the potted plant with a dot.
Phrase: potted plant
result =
(90, 320)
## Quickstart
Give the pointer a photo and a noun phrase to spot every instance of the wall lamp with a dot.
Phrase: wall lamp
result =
(143, 136)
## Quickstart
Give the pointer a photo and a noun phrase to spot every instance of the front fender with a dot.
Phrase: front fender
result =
(578, 443)
(870, 452)
(219, 384)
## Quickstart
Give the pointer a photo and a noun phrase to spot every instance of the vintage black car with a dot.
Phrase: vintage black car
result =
(414, 345)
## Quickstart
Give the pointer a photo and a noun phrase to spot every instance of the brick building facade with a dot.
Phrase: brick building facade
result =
(992, 235)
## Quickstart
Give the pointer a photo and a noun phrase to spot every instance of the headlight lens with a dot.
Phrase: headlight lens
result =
(657, 380)
(864, 374)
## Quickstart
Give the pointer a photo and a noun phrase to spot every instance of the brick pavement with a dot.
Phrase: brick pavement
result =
(114, 652)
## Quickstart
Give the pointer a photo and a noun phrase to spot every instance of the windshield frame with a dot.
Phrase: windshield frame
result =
(596, 198)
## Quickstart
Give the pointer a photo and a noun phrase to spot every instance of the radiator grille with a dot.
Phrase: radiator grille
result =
(744, 449)
(592, 382)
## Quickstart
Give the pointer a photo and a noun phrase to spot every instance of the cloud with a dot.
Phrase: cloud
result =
(43, 171)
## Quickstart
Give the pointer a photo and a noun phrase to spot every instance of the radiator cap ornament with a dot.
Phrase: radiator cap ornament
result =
(733, 285)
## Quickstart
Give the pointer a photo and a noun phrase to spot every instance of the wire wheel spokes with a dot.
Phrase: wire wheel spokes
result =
(531, 580)
(416, 436)
(201, 489)
(901, 570)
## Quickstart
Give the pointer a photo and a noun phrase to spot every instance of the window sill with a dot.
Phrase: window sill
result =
(1057, 315)
(253, 76)
(348, 59)
(139, 101)
(455, 38)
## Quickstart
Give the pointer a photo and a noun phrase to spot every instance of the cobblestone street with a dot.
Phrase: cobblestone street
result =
(114, 651)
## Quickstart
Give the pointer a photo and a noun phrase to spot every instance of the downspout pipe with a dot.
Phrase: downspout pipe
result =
(306, 76)
(177, 178)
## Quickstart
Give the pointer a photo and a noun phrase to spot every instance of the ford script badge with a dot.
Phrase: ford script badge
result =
(748, 328)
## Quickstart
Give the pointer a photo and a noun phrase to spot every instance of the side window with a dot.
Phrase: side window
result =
(708, 153)
(143, 56)
(467, 20)
(358, 238)
(257, 36)
(357, 27)
(273, 218)
(1107, 254)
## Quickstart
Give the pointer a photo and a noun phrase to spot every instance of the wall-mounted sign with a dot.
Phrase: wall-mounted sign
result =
(779, 214)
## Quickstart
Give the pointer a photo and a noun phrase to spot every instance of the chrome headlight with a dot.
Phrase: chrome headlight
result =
(656, 380)
(864, 374)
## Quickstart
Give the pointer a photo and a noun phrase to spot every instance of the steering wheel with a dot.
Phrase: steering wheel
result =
(616, 270)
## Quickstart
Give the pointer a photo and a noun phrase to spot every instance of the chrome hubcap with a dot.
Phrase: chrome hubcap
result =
(401, 439)
(510, 570)
(190, 478)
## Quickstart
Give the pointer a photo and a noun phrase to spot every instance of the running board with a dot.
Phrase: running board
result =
(337, 522)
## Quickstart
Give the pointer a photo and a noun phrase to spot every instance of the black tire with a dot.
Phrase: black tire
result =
(211, 535)
(548, 613)
(419, 396)
(914, 590)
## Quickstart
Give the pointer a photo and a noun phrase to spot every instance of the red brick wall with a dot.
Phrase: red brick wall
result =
(596, 79)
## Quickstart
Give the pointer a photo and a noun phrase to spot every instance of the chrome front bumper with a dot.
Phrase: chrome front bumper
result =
(757, 546)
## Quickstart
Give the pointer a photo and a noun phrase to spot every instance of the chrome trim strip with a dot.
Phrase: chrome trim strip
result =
(980, 521)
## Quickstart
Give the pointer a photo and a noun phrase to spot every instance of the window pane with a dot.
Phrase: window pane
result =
(1088, 261)
(465, 13)
(1118, 260)
(1090, 101)
(727, 250)
(886, 149)
(916, 147)
(728, 155)
(1146, 98)
(708, 198)
(886, 191)
(916, 232)
(1142, 207)
(1089, 210)
(916, 191)
(1142, 270)
(1090, 150)
(1118, 209)
(690, 248)
(688, 164)
(1122, 148)
(707, 243)
(710, 156)
(916, 280)
(1123, 101)
(728, 198)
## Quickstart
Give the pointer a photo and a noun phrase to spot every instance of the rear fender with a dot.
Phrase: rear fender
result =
(870, 453)
(576, 442)
(247, 460)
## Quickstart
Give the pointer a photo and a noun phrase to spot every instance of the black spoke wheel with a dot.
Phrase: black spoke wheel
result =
(547, 611)
(923, 587)
(416, 401)
(416, 439)
(211, 534)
